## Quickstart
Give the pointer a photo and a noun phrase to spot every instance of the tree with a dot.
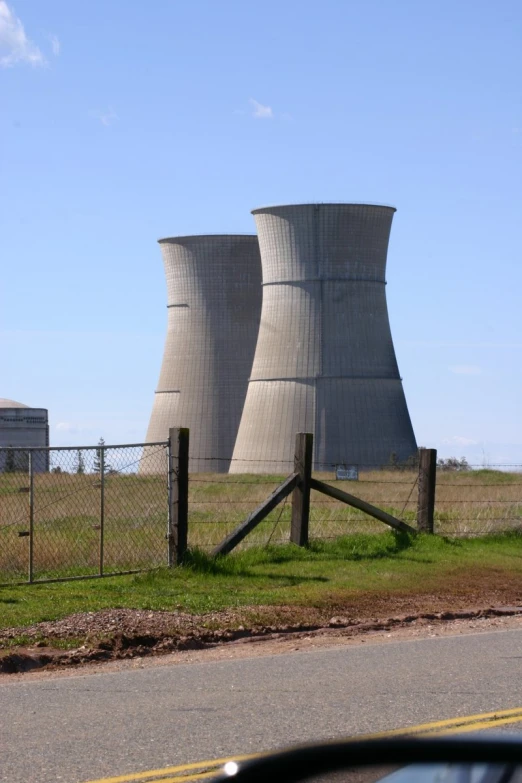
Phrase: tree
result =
(16, 461)
(80, 462)
(453, 464)
(10, 463)
(22, 461)
(98, 458)
(394, 463)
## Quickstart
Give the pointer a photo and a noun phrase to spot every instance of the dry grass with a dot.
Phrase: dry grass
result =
(67, 514)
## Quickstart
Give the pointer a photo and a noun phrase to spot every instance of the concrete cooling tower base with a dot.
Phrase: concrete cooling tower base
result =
(369, 432)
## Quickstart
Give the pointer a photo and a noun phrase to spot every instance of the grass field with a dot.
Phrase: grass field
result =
(67, 522)
(356, 574)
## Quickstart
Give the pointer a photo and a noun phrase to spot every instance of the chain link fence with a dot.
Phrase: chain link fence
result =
(89, 514)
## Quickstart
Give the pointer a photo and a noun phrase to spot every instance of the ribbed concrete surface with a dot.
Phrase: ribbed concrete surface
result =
(324, 361)
(214, 303)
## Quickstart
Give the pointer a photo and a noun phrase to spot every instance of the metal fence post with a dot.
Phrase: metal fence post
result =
(427, 483)
(170, 510)
(102, 506)
(304, 442)
(178, 455)
(31, 516)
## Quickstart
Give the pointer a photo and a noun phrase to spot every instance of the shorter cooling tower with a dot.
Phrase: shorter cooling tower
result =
(214, 304)
(324, 360)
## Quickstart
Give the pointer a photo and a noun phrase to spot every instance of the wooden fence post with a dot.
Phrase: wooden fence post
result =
(427, 483)
(178, 494)
(304, 442)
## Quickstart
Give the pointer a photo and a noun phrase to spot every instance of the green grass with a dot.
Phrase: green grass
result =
(24, 640)
(326, 574)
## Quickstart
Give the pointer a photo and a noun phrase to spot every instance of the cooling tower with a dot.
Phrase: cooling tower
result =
(324, 361)
(214, 303)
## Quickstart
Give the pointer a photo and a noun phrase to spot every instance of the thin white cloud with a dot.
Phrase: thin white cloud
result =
(106, 116)
(55, 44)
(465, 369)
(65, 426)
(15, 46)
(259, 111)
(459, 440)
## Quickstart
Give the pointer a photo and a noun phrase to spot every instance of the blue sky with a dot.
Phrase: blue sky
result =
(122, 122)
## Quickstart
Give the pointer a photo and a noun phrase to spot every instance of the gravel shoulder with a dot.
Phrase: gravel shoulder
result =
(129, 637)
(275, 643)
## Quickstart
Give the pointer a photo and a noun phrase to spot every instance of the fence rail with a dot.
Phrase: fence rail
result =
(78, 512)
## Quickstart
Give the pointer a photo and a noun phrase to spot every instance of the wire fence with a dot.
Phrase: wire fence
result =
(473, 502)
(83, 512)
(218, 503)
(479, 500)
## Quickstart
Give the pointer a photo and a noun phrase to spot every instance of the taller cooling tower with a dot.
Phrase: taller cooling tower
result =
(324, 360)
(214, 304)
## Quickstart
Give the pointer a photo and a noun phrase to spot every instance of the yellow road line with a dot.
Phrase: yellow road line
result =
(456, 724)
(478, 726)
(179, 768)
(201, 776)
(208, 769)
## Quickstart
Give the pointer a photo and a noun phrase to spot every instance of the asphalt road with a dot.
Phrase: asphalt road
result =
(100, 724)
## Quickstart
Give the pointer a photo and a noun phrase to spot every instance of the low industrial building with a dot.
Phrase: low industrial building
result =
(23, 428)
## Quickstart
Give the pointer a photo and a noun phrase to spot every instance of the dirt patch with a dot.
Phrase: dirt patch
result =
(120, 634)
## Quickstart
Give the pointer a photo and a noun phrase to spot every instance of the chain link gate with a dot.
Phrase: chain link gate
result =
(82, 512)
